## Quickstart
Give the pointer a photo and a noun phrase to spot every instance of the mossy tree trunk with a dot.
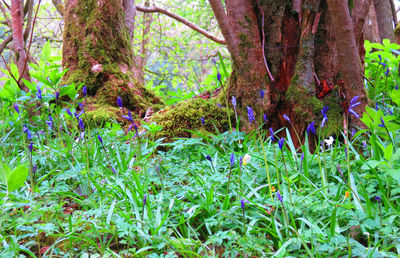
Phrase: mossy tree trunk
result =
(98, 52)
(298, 43)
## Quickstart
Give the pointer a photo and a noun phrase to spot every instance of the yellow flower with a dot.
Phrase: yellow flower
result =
(346, 194)
(246, 159)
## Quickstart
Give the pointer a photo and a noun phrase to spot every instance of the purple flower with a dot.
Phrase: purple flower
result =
(57, 95)
(219, 105)
(250, 114)
(242, 204)
(128, 117)
(202, 120)
(39, 93)
(353, 104)
(100, 139)
(302, 157)
(380, 57)
(262, 94)
(219, 76)
(16, 107)
(279, 196)
(324, 112)
(50, 122)
(84, 91)
(78, 115)
(136, 129)
(378, 199)
(119, 102)
(376, 106)
(213, 61)
(387, 71)
(240, 161)
(113, 170)
(81, 125)
(383, 64)
(34, 169)
(232, 159)
(265, 118)
(68, 111)
(208, 157)
(26, 130)
(397, 87)
(345, 151)
(144, 199)
(286, 118)
(383, 123)
(30, 147)
(311, 128)
(271, 132)
(281, 143)
(353, 132)
(234, 102)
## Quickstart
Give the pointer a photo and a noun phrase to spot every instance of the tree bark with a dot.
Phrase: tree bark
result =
(384, 19)
(97, 51)
(17, 16)
(302, 51)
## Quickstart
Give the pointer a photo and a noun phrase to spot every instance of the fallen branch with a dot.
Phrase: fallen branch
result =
(174, 16)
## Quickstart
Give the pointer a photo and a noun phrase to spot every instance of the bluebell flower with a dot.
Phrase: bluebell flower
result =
(240, 161)
(50, 122)
(100, 139)
(84, 91)
(232, 159)
(78, 115)
(208, 157)
(144, 199)
(26, 130)
(383, 64)
(380, 57)
(219, 105)
(234, 102)
(340, 170)
(242, 204)
(387, 72)
(16, 107)
(30, 147)
(81, 124)
(302, 157)
(202, 120)
(311, 128)
(68, 111)
(34, 169)
(271, 132)
(286, 118)
(279, 196)
(378, 199)
(265, 118)
(383, 123)
(376, 106)
(250, 114)
(353, 132)
(39, 93)
(281, 142)
(57, 95)
(396, 87)
(113, 170)
(119, 102)
(324, 112)
(219, 76)
(353, 104)
(128, 117)
(262, 94)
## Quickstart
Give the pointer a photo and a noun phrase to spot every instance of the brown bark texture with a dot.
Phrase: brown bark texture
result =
(17, 17)
(308, 55)
(384, 19)
(97, 51)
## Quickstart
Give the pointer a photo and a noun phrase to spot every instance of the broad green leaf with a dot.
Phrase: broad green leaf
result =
(371, 164)
(394, 172)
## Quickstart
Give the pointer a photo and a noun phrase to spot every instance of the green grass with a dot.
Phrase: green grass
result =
(169, 200)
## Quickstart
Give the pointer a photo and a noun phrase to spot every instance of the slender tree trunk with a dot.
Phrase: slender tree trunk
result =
(17, 17)
(384, 19)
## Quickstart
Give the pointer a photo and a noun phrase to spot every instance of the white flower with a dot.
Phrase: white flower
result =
(246, 159)
(329, 141)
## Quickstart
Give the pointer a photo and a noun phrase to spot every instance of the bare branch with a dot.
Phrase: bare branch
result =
(4, 43)
(58, 4)
(174, 16)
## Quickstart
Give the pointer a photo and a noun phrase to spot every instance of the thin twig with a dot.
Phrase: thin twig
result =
(263, 43)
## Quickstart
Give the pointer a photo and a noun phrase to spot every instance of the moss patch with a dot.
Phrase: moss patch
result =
(100, 115)
(187, 115)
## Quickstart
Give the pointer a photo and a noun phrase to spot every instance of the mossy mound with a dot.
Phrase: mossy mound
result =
(100, 115)
(187, 115)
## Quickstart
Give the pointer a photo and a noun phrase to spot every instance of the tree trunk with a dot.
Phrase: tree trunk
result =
(384, 19)
(301, 52)
(17, 17)
(98, 52)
